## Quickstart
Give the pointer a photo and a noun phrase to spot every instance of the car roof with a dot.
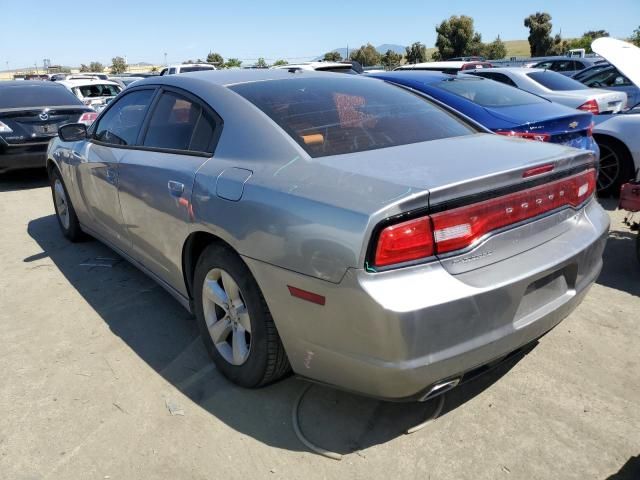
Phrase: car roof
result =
(447, 64)
(181, 65)
(235, 76)
(86, 81)
(420, 75)
(25, 83)
(314, 65)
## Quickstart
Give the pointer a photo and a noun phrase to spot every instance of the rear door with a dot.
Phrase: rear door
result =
(156, 180)
(112, 137)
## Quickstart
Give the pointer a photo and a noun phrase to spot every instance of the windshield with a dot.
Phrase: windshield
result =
(36, 96)
(346, 114)
(98, 90)
(556, 81)
(487, 93)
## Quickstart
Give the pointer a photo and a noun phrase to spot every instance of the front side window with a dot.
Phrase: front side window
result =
(346, 114)
(556, 81)
(177, 123)
(488, 94)
(121, 124)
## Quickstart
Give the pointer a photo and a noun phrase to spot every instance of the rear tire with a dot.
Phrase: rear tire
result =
(234, 320)
(616, 166)
(65, 213)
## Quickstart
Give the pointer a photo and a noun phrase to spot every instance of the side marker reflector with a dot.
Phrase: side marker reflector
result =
(305, 295)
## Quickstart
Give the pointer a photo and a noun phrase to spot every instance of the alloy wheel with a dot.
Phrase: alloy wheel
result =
(226, 316)
(609, 168)
(62, 205)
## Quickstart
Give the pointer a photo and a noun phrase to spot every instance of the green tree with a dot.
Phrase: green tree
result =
(366, 55)
(118, 65)
(96, 67)
(280, 62)
(233, 63)
(154, 69)
(558, 46)
(540, 41)
(391, 59)
(635, 37)
(84, 68)
(586, 39)
(332, 57)
(216, 59)
(261, 63)
(416, 53)
(457, 38)
(495, 50)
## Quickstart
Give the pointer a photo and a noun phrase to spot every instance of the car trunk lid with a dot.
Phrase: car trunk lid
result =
(37, 124)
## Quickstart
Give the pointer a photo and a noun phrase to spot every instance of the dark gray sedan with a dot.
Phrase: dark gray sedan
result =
(353, 231)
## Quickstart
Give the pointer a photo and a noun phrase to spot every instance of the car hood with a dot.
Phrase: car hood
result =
(623, 55)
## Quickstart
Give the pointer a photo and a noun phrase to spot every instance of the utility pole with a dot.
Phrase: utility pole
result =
(165, 59)
(347, 52)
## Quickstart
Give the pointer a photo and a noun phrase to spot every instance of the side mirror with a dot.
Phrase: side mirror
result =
(73, 132)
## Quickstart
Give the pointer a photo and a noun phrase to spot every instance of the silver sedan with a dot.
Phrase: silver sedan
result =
(558, 88)
(342, 227)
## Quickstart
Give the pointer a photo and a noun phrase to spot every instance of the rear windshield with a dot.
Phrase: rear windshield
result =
(345, 114)
(556, 81)
(44, 95)
(487, 93)
(194, 69)
(98, 90)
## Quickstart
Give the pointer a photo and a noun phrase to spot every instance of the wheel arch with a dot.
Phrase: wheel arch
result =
(610, 138)
(193, 247)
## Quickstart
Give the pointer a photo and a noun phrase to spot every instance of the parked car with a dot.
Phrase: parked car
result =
(617, 134)
(79, 76)
(186, 68)
(501, 108)
(335, 67)
(557, 88)
(609, 78)
(590, 70)
(92, 92)
(363, 235)
(568, 66)
(451, 67)
(30, 113)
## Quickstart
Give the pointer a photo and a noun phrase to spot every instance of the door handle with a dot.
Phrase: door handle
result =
(175, 188)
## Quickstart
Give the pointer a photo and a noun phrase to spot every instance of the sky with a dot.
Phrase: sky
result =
(72, 32)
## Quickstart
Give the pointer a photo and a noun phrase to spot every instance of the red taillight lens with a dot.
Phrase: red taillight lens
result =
(540, 137)
(590, 106)
(404, 242)
(88, 118)
(461, 227)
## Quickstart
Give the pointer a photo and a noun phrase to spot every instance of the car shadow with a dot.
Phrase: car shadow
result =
(629, 471)
(23, 179)
(621, 268)
(165, 336)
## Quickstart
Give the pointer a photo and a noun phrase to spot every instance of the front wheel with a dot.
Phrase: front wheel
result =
(234, 320)
(65, 213)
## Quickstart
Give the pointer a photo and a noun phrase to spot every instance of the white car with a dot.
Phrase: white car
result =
(448, 66)
(93, 92)
(557, 88)
(619, 135)
(186, 68)
(336, 67)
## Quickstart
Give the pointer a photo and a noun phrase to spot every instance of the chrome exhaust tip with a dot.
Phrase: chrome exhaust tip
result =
(440, 388)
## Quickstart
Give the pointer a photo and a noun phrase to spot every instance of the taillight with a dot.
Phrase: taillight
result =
(590, 106)
(540, 137)
(404, 242)
(461, 227)
(88, 118)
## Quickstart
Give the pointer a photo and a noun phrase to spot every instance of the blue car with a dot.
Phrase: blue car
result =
(501, 108)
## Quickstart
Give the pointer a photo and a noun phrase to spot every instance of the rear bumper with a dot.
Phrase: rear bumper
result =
(395, 334)
(16, 157)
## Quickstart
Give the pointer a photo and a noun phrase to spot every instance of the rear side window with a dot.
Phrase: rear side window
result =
(41, 95)
(346, 114)
(556, 81)
(488, 94)
(177, 123)
(121, 124)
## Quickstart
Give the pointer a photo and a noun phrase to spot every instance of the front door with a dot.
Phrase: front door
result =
(98, 166)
